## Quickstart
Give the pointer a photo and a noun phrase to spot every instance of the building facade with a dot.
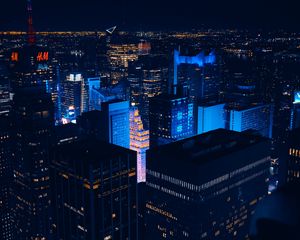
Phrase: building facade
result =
(94, 191)
(139, 142)
(33, 114)
(171, 119)
(205, 187)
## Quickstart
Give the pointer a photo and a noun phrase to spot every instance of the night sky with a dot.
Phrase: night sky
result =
(155, 14)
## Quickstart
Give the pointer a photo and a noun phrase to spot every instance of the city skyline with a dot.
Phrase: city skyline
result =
(112, 131)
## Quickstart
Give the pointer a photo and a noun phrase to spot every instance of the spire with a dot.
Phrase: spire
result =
(31, 32)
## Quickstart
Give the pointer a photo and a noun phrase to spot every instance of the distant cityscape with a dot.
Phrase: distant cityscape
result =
(117, 134)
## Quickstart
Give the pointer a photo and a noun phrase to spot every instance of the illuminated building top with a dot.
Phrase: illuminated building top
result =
(200, 60)
(139, 142)
(297, 97)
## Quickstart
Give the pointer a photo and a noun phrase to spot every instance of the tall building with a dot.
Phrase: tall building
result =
(295, 111)
(33, 113)
(93, 84)
(257, 117)
(198, 74)
(73, 96)
(111, 124)
(148, 78)
(139, 142)
(94, 191)
(211, 116)
(5, 100)
(206, 187)
(6, 178)
(115, 121)
(171, 119)
(30, 66)
(293, 156)
(106, 94)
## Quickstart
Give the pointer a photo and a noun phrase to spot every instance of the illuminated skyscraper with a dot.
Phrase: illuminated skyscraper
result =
(73, 96)
(135, 82)
(147, 78)
(211, 117)
(115, 123)
(256, 117)
(93, 84)
(30, 66)
(94, 191)
(171, 119)
(293, 156)
(205, 187)
(139, 142)
(5, 100)
(33, 113)
(106, 94)
(295, 111)
(199, 74)
(120, 54)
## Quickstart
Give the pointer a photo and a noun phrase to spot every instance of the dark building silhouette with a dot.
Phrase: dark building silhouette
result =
(277, 216)
(6, 177)
(293, 156)
(94, 191)
(111, 124)
(205, 187)
(33, 114)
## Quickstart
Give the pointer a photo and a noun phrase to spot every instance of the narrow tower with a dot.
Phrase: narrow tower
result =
(31, 32)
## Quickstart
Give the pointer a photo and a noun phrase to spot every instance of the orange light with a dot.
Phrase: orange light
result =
(42, 56)
(14, 56)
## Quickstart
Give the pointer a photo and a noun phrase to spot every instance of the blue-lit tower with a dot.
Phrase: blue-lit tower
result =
(255, 117)
(211, 116)
(171, 119)
(195, 75)
(73, 96)
(115, 123)
(295, 111)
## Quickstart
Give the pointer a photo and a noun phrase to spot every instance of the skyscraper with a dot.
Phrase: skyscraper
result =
(295, 111)
(93, 83)
(211, 116)
(6, 178)
(73, 96)
(94, 191)
(115, 123)
(206, 187)
(171, 119)
(5, 101)
(30, 66)
(258, 117)
(148, 78)
(33, 113)
(198, 74)
(293, 156)
(139, 142)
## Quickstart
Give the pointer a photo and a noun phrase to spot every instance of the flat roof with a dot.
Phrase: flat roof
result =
(207, 146)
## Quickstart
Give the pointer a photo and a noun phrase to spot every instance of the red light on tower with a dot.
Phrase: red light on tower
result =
(31, 32)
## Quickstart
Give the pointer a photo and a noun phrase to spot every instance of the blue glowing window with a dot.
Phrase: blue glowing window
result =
(179, 128)
(179, 115)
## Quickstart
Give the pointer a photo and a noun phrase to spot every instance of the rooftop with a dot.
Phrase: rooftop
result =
(207, 146)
